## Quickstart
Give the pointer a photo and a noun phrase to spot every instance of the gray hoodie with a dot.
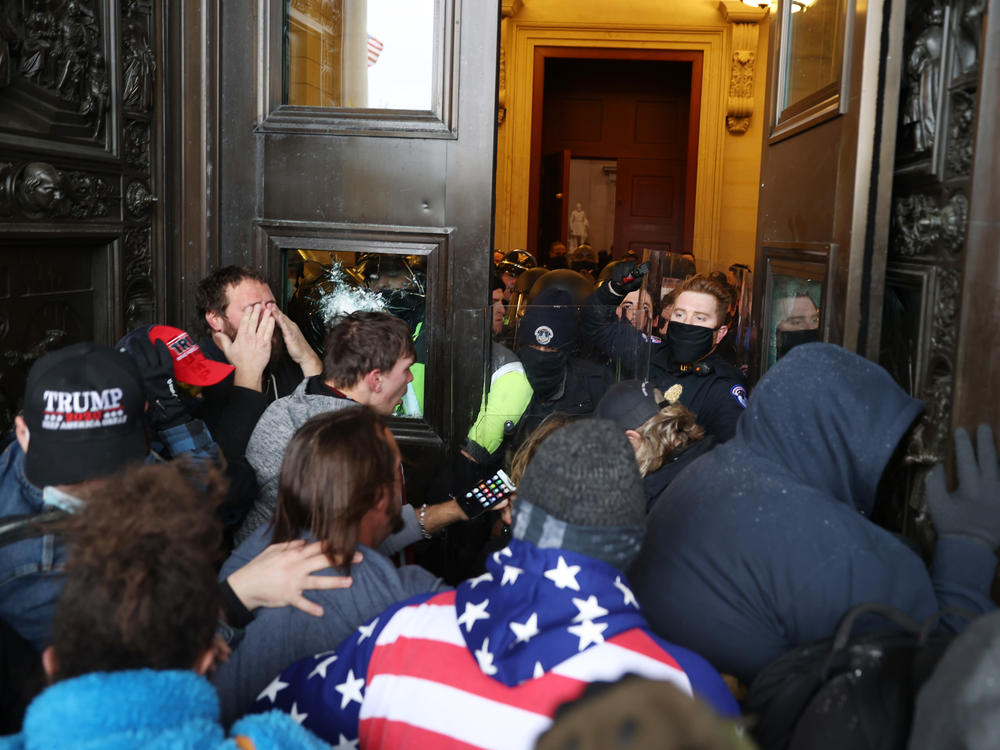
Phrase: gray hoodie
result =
(267, 446)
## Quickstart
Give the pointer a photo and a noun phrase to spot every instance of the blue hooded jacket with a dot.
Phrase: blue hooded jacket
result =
(763, 543)
(143, 708)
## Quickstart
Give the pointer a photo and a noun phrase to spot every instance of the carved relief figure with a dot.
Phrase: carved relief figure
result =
(98, 93)
(139, 68)
(137, 144)
(40, 35)
(41, 190)
(924, 72)
(921, 224)
(77, 35)
(967, 35)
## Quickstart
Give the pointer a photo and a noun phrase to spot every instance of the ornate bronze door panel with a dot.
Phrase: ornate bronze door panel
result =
(932, 197)
(80, 167)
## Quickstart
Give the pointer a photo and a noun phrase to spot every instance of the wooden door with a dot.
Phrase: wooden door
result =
(554, 195)
(313, 164)
(615, 104)
(649, 205)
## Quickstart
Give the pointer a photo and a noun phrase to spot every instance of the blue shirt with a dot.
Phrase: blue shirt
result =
(31, 569)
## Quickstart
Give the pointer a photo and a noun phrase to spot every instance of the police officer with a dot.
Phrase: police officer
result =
(685, 364)
(559, 381)
(512, 266)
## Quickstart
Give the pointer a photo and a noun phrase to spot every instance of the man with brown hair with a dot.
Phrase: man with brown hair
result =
(340, 484)
(242, 322)
(686, 364)
(367, 361)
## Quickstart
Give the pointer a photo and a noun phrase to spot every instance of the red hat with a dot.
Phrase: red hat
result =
(190, 365)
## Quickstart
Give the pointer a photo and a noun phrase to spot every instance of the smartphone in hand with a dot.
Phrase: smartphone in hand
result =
(486, 493)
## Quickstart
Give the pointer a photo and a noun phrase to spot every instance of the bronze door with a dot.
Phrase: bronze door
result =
(823, 212)
(81, 168)
(318, 165)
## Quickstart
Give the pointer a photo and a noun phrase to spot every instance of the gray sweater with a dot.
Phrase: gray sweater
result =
(277, 637)
(266, 448)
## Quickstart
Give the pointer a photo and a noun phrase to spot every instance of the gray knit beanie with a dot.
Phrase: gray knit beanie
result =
(585, 474)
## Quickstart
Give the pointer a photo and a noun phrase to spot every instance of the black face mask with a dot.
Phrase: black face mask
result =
(689, 343)
(545, 371)
(786, 340)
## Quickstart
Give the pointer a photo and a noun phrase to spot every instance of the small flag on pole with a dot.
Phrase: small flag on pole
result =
(374, 50)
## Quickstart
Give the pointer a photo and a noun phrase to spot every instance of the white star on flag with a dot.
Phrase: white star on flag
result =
(510, 574)
(345, 744)
(626, 592)
(539, 670)
(563, 575)
(350, 689)
(485, 658)
(589, 609)
(588, 632)
(321, 667)
(272, 690)
(472, 613)
(473, 582)
(527, 630)
(296, 716)
(367, 630)
(505, 552)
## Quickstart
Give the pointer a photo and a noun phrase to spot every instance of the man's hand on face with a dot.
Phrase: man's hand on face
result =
(250, 351)
(296, 345)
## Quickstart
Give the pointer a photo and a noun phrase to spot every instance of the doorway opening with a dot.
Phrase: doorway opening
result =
(614, 150)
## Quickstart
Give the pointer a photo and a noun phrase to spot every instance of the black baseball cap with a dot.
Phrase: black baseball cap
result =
(84, 406)
(630, 403)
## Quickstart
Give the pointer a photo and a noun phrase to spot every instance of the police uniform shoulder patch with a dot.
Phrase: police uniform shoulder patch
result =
(740, 394)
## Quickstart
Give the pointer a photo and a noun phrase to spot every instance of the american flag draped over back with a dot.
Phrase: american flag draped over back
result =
(488, 664)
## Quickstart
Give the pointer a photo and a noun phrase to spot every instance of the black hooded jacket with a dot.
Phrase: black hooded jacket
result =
(762, 544)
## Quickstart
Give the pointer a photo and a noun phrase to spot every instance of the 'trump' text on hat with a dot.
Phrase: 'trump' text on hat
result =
(82, 410)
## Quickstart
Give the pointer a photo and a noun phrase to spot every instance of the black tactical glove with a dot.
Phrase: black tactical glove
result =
(973, 509)
(627, 277)
(164, 407)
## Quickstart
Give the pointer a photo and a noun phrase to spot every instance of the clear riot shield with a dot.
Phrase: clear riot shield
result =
(535, 360)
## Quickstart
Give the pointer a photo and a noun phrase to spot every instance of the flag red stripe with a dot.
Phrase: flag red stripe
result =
(443, 662)
(388, 733)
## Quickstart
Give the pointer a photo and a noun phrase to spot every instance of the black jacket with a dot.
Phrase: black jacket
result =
(716, 397)
(655, 485)
(762, 544)
(231, 412)
(584, 386)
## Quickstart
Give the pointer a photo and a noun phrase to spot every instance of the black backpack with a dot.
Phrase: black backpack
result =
(849, 691)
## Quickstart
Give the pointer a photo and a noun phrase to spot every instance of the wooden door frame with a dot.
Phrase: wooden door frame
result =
(543, 53)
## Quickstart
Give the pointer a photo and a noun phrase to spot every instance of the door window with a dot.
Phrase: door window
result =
(361, 54)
